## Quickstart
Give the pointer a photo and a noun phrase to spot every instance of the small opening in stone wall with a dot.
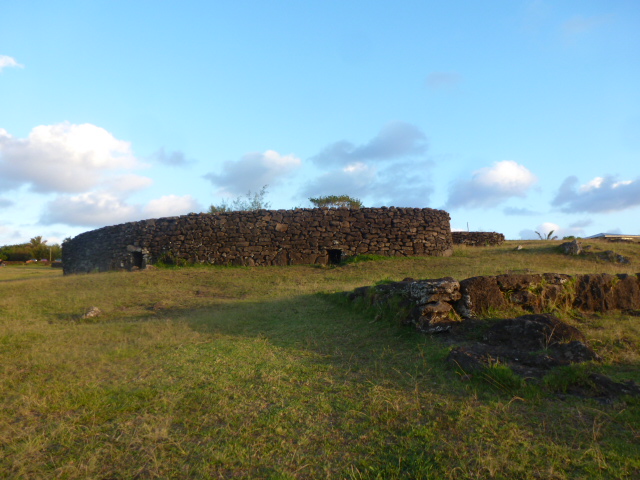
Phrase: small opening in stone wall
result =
(335, 256)
(137, 259)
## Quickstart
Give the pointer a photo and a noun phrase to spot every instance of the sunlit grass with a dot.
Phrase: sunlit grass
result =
(249, 373)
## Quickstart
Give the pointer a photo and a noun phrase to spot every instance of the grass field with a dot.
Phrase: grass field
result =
(212, 372)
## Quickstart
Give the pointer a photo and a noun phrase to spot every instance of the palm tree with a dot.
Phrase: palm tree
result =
(548, 237)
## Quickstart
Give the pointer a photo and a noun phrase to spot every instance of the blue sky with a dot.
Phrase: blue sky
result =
(514, 116)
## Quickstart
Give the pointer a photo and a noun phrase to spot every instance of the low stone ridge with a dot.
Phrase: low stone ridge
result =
(263, 237)
(437, 303)
(477, 239)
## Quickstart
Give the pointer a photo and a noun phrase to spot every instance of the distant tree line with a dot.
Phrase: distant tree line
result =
(36, 248)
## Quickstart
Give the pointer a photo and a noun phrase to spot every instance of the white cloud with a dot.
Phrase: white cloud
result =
(491, 186)
(600, 195)
(170, 206)
(127, 183)
(98, 209)
(89, 170)
(61, 158)
(253, 171)
(6, 62)
(595, 183)
(394, 141)
(549, 228)
(95, 209)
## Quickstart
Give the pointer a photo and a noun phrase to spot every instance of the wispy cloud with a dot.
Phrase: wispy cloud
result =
(600, 195)
(253, 171)
(395, 140)
(354, 180)
(582, 223)
(579, 25)
(401, 184)
(175, 158)
(490, 186)
(523, 212)
(389, 169)
(8, 62)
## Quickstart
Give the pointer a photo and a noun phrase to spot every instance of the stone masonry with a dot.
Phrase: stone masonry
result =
(262, 237)
(477, 239)
(433, 305)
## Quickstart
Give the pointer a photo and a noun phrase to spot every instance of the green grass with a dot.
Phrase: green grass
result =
(263, 373)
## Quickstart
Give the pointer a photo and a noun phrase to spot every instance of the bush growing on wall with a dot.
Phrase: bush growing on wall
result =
(336, 201)
(247, 203)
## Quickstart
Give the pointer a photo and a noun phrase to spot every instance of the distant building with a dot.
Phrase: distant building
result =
(615, 236)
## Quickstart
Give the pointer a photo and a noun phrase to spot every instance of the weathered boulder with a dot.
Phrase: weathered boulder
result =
(532, 332)
(571, 248)
(610, 388)
(625, 294)
(478, 295)
(92, 312)
(513, 281)
(466, 359)
(613, 257)
(429, 291)
(434, 299)
(593, 292)
(531, 345)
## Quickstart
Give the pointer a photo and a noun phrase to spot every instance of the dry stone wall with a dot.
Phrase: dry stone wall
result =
(429, 304)
(477, 239)
(263, 237)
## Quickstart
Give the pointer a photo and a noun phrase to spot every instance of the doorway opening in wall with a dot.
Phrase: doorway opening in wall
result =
(137, 259)
(335, 256)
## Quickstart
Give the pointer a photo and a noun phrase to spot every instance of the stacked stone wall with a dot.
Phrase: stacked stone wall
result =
(432, 302)
(477, 239)
(263, 237)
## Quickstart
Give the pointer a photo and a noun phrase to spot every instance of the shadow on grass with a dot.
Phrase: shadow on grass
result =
(334, 332)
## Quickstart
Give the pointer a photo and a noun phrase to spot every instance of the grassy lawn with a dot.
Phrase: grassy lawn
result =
(212, 372)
